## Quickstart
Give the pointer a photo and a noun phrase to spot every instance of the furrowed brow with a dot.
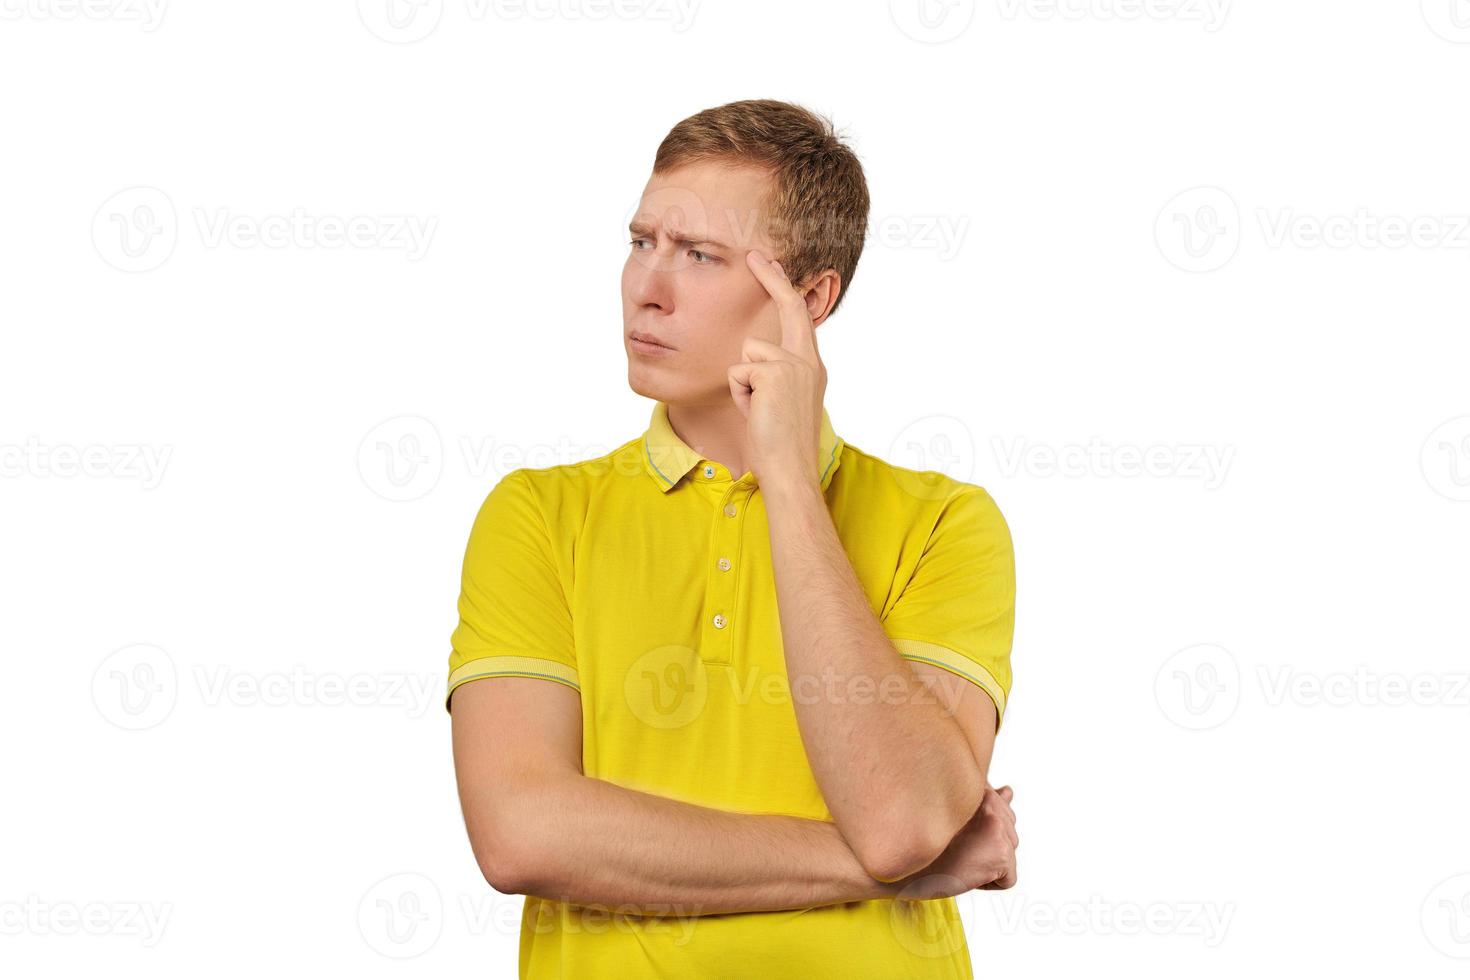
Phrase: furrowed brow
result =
(679, 238)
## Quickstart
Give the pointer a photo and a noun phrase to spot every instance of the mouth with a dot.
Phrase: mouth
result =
(645, 343)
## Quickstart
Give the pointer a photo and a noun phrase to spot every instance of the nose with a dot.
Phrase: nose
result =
(648, 280)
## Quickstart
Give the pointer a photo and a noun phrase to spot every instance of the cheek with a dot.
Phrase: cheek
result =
(742, 304)
(731, 314)
(623, 285)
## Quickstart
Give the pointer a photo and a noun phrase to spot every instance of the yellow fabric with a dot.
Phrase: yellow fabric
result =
(607, 576)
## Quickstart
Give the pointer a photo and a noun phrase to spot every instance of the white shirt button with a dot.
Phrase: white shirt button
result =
(719, 621)
(724, 564)
(709, 471)
(729, 510)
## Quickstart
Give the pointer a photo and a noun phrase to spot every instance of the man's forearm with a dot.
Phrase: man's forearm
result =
(591, 842)
(890, 757)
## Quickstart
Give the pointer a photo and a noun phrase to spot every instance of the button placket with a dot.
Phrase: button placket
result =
(722, 589)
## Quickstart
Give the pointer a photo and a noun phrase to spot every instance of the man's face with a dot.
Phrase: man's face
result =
(686, 282)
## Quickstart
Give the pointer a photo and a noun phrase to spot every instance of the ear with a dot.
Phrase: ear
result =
(820, 292)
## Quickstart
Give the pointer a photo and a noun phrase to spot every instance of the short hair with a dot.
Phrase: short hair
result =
(817, 209)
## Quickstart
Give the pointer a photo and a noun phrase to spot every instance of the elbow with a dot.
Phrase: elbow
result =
(506, 865)
(522, 871)
(505, 872)
(898, 859)
(510, 855)
(910, 839)
(898, 851)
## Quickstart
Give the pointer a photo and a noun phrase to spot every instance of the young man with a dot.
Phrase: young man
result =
(724, 700)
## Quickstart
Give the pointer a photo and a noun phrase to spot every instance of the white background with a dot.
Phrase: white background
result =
(1102, 231)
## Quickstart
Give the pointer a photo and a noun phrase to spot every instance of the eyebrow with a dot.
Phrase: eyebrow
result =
(643, 230)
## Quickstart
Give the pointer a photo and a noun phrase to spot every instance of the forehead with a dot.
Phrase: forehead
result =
(708, 199)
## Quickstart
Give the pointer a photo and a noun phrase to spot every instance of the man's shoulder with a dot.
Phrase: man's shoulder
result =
(920, 507)
(871, 478)
(581, 477)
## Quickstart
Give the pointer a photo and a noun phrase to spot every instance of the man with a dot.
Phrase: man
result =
(724, 700)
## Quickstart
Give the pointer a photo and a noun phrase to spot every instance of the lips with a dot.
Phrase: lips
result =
(648, 338)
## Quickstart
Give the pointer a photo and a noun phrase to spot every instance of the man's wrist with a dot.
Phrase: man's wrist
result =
(790, 486)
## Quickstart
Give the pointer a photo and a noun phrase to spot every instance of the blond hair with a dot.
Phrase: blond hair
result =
(817, 210)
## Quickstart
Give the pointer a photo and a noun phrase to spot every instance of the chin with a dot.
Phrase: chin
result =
(674, 390)
(641, 383)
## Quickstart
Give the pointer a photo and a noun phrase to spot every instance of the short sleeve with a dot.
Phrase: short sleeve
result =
(957, 611)
(514, 620)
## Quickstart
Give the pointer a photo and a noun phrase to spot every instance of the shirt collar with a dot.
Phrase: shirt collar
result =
(667, 458)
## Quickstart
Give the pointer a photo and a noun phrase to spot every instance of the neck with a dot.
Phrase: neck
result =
(716, 432)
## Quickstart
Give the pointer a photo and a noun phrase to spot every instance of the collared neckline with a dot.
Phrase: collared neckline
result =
(667, 458)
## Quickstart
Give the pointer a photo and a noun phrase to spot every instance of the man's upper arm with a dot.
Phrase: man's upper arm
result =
(514, 619)
(513, 736)
(520, 727)
(974, 711)
(956, 614)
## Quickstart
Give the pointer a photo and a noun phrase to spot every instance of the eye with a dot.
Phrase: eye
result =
(695, 251)
(635, 241)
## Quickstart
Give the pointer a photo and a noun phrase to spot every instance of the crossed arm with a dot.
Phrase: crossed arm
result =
(899, 749)
(538, 826)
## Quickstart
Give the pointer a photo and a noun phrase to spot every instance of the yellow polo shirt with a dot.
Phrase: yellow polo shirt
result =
(643, 580)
